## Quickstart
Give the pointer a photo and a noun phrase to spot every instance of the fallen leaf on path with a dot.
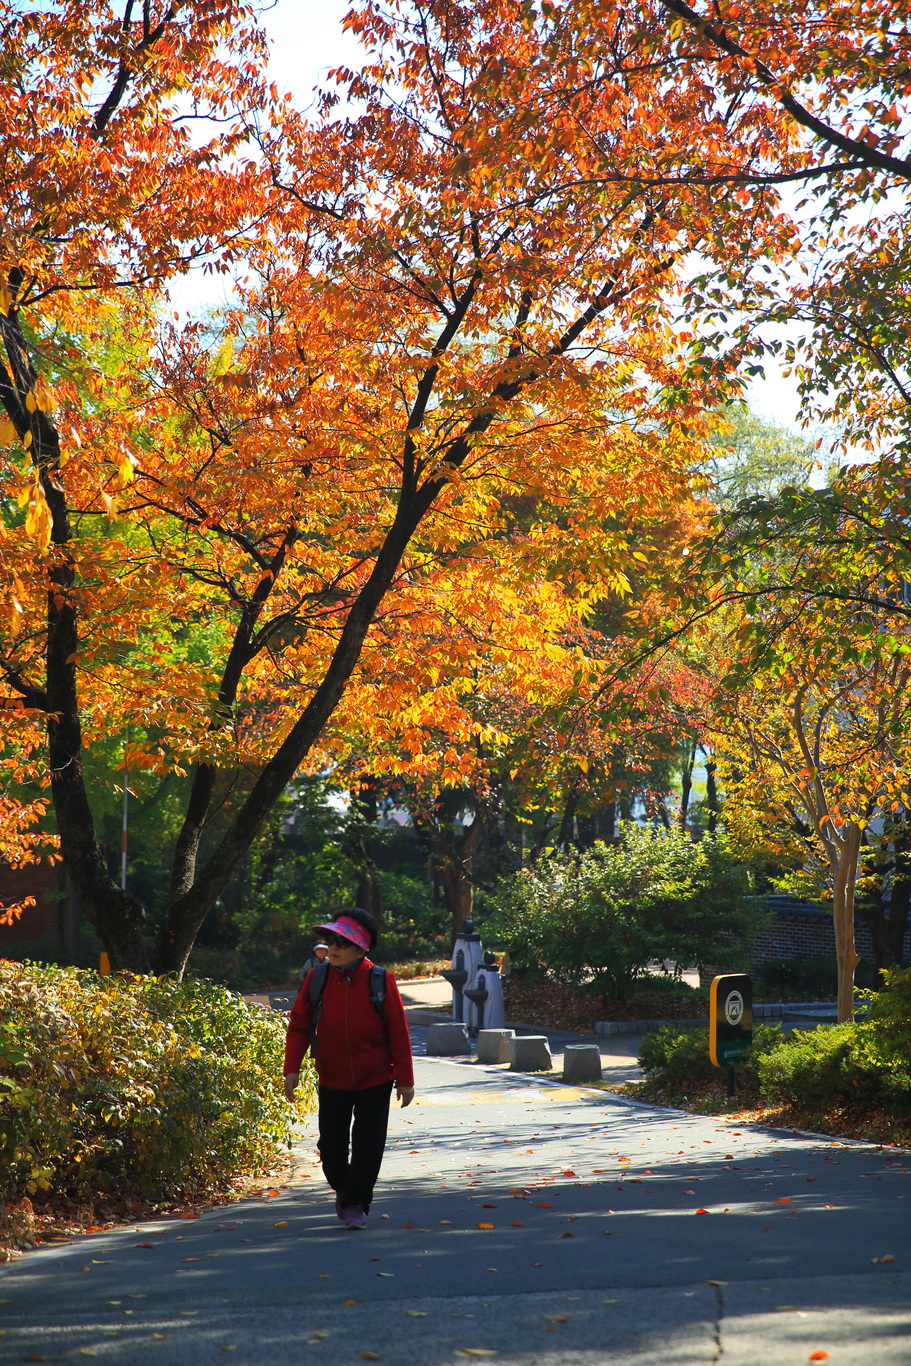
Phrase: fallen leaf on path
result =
(324, 1276)
(188, 1216)
(445, 1221)
(476, 1352)
(542, 1204)
(96, 1262)
(488, 1207)
(160, 1337)
(558, 1318)
(416, 1313)
(485, 1225)
(282, 1223)
(716, 1282)
(320, 1334)
(229, 1347)
(189, 1259)
(888, 1258)
(385, 1273)
(370, 1356)
(346, 1303)
(517, 1223)
(819, 1356)
(786, 1200)
(567, 1235)
(702, 1211)
(143, 1244)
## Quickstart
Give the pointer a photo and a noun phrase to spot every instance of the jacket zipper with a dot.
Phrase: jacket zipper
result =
(349, 981)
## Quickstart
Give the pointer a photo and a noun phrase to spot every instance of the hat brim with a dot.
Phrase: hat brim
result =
(345, 928)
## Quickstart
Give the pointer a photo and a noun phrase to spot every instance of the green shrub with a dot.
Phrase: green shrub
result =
(867, 1063)
(676, 1056)
(134, 1086)
(825, 1066)
(596, 919)
(413, 927)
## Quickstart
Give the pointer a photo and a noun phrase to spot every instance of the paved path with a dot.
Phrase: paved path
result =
(520, 1222)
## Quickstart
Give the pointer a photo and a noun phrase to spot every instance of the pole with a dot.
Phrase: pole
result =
(126, 804)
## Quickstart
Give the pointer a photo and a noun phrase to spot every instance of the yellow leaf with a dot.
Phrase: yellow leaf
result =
(370, 1356)
(7, 431)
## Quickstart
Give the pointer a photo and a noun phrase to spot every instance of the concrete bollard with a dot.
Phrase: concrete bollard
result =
(582, 1062)
(447, 1040)
(493, 1044)
(530, 1053)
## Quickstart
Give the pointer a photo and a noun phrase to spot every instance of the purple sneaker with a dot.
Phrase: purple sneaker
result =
(355, 1216)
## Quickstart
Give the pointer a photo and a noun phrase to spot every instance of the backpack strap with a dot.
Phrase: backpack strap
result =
(378, 988)
(315, 993)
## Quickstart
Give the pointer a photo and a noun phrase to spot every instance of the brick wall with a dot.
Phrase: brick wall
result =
(801, 930)
(40, 880)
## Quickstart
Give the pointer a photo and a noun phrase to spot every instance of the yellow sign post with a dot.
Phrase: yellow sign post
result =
(730, 1021)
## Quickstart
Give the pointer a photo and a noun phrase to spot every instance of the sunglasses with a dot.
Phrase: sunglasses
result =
(334, 942)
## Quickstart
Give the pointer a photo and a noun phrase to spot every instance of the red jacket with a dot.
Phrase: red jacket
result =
(356, 1047)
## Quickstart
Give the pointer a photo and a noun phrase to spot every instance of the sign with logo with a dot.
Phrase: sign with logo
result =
(730, 1018)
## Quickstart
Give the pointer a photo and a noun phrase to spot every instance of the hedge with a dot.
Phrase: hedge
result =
(865, 1065)
(134, 1086)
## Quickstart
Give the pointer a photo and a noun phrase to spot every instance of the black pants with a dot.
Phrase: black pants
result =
(353, 1179)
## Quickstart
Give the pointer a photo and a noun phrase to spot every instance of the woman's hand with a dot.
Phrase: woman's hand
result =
(405, 1094)
(291, 1080)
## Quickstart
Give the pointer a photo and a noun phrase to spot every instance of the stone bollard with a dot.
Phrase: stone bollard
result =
(530, 1053)
(447, 1040)
(493, 1044)
(582, 1062)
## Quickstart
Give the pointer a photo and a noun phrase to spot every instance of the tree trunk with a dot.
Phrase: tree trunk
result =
(686, 782)
(844, 855)
(711, 794)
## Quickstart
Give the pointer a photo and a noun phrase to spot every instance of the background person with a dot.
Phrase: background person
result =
(320, 954)
(360, 1052)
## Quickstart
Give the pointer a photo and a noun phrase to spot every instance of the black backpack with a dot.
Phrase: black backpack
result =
(376, 986)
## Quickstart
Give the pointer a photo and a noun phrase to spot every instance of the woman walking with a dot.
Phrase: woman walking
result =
(350, 1015)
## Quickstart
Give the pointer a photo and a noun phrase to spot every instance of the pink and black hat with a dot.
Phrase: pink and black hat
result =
(346, 927)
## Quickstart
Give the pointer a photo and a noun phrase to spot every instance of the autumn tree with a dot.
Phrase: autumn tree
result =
(821, 744)
(437, 309)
